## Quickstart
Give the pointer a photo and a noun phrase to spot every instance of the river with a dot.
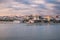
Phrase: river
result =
(22, 31)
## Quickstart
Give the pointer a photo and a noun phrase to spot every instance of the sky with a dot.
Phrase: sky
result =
(22, 7)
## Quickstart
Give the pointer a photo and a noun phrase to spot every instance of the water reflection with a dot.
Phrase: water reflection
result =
(30, 31)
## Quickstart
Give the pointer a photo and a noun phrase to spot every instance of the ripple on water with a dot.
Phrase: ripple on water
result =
(24, 31)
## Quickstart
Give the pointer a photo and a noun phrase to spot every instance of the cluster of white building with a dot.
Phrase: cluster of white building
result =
(31, 18)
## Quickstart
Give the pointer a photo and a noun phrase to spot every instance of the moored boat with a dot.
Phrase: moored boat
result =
(16, 21)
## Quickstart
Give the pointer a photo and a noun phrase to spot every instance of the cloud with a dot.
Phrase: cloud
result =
(44, 7)
(6, 1)
(24, 1)
(1, 1)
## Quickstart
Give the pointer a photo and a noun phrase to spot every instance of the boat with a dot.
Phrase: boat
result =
(16, 21)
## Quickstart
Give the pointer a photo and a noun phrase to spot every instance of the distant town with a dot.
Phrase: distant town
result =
(32, 19)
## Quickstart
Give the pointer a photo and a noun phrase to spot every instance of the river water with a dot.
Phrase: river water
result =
(22, 31)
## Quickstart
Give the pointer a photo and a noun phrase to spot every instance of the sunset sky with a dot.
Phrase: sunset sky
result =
(16, 7)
